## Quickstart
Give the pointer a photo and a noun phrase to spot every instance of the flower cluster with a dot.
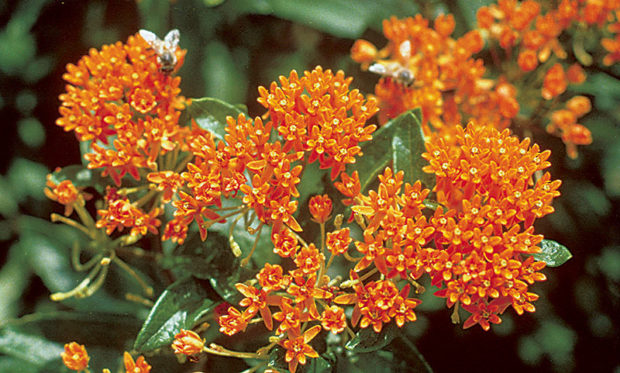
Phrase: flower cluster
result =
(451, 86)
(120, 100)
(119, 94)
(523, 24)
(491, 185)
(315, 117)
(76, 358)
(448, 80)
(564, 124)
(482, 232)
(471, 235)
(299, 295)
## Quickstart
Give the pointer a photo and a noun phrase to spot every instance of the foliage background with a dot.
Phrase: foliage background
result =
(234, 46)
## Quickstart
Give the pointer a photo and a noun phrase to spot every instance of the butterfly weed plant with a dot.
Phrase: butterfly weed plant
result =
(313, 227)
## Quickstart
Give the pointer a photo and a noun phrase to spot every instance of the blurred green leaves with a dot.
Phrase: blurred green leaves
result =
(223, 74)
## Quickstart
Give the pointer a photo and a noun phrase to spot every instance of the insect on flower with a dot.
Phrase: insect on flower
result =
(394, 69)
(163, 48)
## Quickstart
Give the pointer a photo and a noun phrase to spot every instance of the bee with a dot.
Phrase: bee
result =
(163, 48)
(394, 69)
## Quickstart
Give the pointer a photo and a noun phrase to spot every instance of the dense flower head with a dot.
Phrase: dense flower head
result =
(75, 356)
(119, 94)
(318, 113)
(483, 230)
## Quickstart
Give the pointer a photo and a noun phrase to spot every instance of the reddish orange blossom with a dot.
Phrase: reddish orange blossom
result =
(187, 342)
(297, 348)
(138, 366)
(75, 356)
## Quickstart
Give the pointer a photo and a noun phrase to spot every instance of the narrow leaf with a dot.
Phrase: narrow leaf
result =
(210, 114)
(553, 253)
(180, 306)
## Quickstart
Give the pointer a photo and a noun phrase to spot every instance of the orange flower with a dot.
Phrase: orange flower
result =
(338, 242)
(297, 348)
(138, 366)
(575, 74)
(579, 105)
(290, 317)
(120, 214)
(363, 51)
(75, 356)
(555, 82)
(527, 60)
(349, 186)
(187, 342)
(285, 243)
(167, 182)
(271, 278)
(65, 193)
(482, 314)
(255, 301)
(320, 208)
(234, 321)
(309, 259)
(333, 319)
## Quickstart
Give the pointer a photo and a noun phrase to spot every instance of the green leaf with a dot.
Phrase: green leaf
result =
(553, 253)
(407, 148)
(29, 347)
(204, 260)
(8, 200)
(415, 360)
(402, 135)
(319, 365)
(47, 247)
(222, 76)
(14, 276)
(27, 178)
(366, 340)
(90, 328)
(341, 18)
(210, 114)
(11, 365)
(277, 358)
(180, 306)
